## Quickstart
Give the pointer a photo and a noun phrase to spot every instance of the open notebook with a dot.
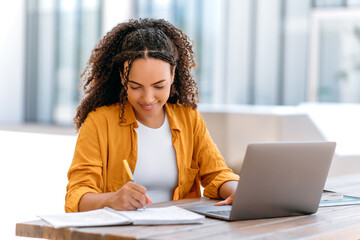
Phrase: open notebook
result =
(108, 217)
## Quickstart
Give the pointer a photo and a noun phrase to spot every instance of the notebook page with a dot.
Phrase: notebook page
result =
(164, 215)
(100, 217)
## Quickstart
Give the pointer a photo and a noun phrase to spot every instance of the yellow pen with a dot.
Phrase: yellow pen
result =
(128, 170)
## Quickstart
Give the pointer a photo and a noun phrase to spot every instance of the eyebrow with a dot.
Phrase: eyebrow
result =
(163, 80)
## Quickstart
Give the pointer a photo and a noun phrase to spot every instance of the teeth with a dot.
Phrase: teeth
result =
(148, 106)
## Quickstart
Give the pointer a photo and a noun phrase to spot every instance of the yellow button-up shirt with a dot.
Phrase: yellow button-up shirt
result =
(103, 143)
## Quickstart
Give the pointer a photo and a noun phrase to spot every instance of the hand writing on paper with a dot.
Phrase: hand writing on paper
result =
(131, 196)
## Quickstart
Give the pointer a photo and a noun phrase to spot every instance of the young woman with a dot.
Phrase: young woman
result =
(140, 105)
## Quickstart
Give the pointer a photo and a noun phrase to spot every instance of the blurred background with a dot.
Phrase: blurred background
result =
(268, 70)
(262, 52)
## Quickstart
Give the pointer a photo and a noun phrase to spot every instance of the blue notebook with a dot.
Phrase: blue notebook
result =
(337, 199)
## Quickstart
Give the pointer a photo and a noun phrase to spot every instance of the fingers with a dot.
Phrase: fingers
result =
(136, 194)
(221, 203)
(137, 201)
(142, 190)
(227, 201)
(135, 187)
(148, 200)
(130, 197)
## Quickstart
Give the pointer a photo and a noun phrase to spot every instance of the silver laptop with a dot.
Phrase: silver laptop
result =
(277, 180)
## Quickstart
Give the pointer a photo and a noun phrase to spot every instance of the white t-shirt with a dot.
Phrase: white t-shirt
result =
(156, 167)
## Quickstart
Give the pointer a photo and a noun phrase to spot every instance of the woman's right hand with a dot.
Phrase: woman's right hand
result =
(131, 196)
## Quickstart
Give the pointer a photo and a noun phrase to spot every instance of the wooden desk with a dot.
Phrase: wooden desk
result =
(328, 223)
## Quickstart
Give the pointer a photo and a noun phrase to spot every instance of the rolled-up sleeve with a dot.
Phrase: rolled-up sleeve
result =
(85, 173)
(213, 168)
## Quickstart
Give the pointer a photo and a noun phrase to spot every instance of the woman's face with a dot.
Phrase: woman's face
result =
(149, 89)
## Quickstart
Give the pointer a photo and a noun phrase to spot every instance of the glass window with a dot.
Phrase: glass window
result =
(78, 32)
(329, 3)
(240, 47)
(46, 61)
(337, 57)
(61, 35)
(353, 3)
(248, 52)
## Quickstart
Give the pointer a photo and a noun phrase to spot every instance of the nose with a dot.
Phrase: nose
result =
(147, 97)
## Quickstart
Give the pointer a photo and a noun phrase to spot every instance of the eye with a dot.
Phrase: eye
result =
(159, 87)
(134, 88)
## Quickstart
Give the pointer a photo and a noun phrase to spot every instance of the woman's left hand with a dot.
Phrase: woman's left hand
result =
(227, 192)
(227, 201)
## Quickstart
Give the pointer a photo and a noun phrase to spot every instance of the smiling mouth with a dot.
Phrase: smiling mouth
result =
(148, 106)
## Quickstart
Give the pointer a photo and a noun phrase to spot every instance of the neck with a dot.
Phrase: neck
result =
(153, 121)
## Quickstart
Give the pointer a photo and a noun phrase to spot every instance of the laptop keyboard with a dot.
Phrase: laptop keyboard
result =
(222, 213)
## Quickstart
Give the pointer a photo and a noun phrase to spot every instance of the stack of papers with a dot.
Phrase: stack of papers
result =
(330, 196)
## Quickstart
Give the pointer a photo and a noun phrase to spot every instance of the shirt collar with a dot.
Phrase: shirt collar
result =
(129, 115)
(173, 120)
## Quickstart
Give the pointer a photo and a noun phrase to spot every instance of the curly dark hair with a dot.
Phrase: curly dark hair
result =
(128, 41)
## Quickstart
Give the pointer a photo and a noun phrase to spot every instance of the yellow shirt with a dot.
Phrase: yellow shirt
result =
(103, 143)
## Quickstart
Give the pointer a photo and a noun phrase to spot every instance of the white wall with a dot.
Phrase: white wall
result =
(34, 176)
(12, 61)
